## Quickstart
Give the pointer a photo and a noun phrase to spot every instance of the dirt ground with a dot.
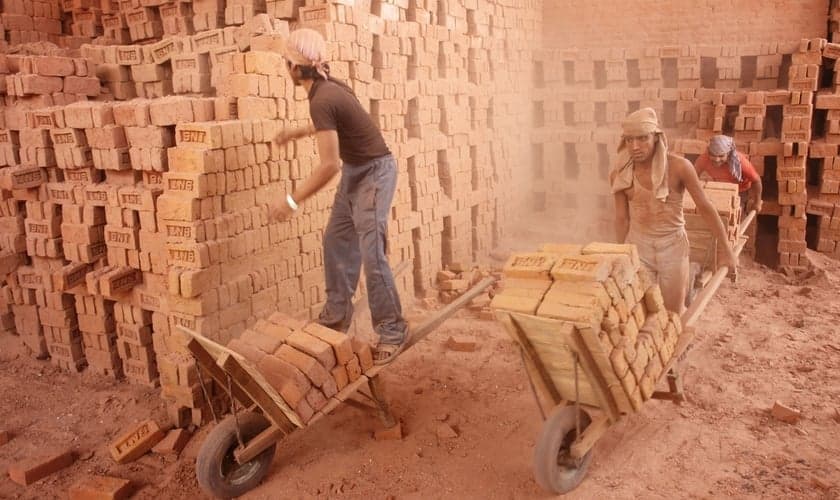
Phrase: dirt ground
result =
(770, 337)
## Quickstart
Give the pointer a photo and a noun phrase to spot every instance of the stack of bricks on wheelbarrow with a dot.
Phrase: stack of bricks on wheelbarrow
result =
(599, 290)
(306, 363)
(706, 250)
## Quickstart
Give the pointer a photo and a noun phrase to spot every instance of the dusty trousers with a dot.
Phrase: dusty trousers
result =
(357, 233)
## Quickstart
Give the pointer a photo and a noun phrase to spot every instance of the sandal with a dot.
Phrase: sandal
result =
(385, 353)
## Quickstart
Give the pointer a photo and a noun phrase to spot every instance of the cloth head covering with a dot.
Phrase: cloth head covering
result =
(721, 145)
(641, 122)
(306, 47)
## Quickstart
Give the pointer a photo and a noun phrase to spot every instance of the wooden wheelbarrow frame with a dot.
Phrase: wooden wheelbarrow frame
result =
(560, 470)
(247, 388)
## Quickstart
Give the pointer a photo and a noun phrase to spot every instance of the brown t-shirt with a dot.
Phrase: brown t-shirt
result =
(334, 106)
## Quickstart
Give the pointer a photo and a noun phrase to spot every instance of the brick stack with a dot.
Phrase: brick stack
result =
(115, 29)
(30, 21)
(599, 291)
(706, 250)
(177, 18)
(36, 82)
(99, 334)
(208, 14)
(86, 17)
(144, 23)
(307, 364)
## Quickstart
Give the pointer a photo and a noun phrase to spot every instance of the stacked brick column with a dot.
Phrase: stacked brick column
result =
(30, 21)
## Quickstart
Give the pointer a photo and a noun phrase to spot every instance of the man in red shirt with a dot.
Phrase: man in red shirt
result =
(723, 163)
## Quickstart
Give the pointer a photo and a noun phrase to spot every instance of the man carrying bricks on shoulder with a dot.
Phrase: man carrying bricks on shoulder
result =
(348, 140)
(722, 162)
(648, 184)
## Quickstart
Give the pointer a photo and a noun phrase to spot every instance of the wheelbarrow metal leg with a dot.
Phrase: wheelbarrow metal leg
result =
(675, 388)
(378, 392)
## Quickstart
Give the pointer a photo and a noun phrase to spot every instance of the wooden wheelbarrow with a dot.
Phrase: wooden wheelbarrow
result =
(572, 425)
(237, 454)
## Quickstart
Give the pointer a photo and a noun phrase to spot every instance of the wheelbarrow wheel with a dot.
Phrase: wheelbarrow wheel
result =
(216, 468)
(555, 469)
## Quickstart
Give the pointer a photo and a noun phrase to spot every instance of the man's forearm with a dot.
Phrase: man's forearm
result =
(303, 131)
(312, 184)
(622, 226)
(757, 190)
(713, 220)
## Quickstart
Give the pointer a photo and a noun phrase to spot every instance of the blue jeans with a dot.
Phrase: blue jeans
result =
(357, 233)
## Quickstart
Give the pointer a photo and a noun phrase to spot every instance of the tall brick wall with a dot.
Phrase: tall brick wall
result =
(614, 23)
(136, 171)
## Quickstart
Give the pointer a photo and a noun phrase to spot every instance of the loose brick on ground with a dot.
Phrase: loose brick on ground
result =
(173, 443)
(30, 470)
(101, 488)
(134, 443)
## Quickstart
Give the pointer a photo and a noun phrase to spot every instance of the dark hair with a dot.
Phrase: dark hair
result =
(310, 73)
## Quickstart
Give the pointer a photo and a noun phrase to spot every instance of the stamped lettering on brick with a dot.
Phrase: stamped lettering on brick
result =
(177, 231)
(154, 178)
(149, 300)
(315, 15)
(165, 50)
(192, 135)
(136, 17)
(182, 255)
(111, 22)
(77, 175)
(43, 120)
(37, 228)
(208, 40)
(127, 55)
(186, 64)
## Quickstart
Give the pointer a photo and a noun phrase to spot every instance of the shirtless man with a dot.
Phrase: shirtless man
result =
(648, 184)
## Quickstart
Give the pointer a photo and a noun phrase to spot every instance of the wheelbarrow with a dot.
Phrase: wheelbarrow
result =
(573, 425)
(237, 453)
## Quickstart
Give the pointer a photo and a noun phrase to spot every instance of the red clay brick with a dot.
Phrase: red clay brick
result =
(259, 340)
(248, 351)
(5, 437)
(101, 488)
(279, 318)
(313, 370)
(173, 443)
(304, 410)
(362, 350)
(339, 374)
(135, 443)
(313, 346)
(28, 471)
(290, 382)
(316, 399)
(354, 370)
(340, 343)
(272, 330)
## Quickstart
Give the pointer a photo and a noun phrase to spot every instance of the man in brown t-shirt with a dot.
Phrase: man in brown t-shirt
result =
(357, 230)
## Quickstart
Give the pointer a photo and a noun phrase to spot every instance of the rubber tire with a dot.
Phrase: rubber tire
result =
(554, 470)
(215, 462)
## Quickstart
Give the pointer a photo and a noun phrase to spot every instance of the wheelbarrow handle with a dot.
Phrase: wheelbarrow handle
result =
(427, 326)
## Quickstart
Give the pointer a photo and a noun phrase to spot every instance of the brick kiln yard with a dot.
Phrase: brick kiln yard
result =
(137, 166)
(470, 421)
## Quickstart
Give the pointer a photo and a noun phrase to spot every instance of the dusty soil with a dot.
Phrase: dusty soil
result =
(768, 338)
